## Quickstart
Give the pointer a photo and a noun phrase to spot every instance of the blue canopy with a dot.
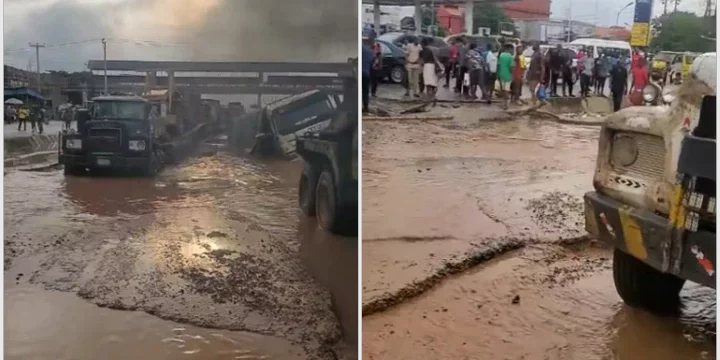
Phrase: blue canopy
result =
(23, 92)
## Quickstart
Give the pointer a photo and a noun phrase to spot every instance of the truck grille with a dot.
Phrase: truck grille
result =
(650, 159)
(104, 139)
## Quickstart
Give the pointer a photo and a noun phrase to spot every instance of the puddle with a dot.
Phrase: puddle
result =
(525, 308)
(42, 324)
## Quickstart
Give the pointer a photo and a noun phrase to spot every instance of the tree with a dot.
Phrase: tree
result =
(427, 20)
(683, 31)
(489, 16)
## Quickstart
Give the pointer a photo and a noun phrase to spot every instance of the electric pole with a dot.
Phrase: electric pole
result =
(37, 47)
(569, 31)
(105, 63)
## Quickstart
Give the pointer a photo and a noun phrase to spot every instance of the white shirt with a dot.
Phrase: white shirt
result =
(492, 61)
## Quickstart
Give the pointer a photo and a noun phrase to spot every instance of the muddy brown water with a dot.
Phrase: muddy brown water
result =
(217, 242)
(436, 191)
(554, 303)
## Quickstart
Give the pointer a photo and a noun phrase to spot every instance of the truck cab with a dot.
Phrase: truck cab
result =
(654, 198)
(280, 123)
(119, 135)
(328, 186)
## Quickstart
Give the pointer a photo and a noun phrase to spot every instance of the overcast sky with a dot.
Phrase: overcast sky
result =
(230, 30)
(212, 30)
(604, 12)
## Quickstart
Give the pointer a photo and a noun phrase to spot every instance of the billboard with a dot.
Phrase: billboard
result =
(641, 23)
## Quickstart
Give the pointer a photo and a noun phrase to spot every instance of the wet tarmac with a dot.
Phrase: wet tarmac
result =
(217, 242)
(443, 198)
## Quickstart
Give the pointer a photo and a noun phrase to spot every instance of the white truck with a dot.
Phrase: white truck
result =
(654, 198)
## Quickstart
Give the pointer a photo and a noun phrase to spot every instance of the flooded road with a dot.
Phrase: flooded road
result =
(464, 223)
(217, 242)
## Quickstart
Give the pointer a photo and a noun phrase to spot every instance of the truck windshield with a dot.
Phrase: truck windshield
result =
(301, 117)
(126, 110)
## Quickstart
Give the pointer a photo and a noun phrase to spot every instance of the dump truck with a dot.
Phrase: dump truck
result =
(328, 186)
(655, 197)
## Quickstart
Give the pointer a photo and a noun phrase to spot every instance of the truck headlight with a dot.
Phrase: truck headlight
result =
(649, 93)
(668, 94)
(73, 144)
(136, 145)
(624, 150)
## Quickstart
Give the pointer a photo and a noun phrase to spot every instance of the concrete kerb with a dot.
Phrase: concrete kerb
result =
(27, 149)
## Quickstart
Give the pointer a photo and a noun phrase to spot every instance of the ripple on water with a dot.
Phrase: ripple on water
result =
(82, 331)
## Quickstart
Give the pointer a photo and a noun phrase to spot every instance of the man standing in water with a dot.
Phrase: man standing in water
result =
(618, 83)
(504, 73)
(491, 76)
(368, 57)
(534, 73)
(413, 66)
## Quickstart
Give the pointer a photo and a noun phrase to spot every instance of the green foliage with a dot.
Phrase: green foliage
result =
(489, 16)
(683, 31)
(427, 15)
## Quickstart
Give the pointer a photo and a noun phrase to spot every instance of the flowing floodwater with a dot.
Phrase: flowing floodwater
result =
(440, 198)
(217, 242)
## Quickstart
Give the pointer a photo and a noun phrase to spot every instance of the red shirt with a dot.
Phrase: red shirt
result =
(453, 52)
(640, 76)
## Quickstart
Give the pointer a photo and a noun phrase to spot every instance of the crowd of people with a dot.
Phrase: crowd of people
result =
(24, 114)
(472, 68)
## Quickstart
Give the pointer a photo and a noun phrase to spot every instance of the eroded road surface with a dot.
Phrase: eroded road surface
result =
(474, 248)
(215, 248)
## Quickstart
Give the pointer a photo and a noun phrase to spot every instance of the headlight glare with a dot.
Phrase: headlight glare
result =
(136, 145)
(73, 144)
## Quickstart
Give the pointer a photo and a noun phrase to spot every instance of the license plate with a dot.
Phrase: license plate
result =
(103, 162)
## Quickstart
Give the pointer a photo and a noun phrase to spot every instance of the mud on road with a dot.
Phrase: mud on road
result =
(442, 198)
(217, 242)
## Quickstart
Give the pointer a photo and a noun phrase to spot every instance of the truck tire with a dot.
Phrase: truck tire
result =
(642, 286)
(152, 168)
(306, 190)
(74, 170)
(326, 206)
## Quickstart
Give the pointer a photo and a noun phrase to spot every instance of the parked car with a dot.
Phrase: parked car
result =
(393, 62)
(438, 45)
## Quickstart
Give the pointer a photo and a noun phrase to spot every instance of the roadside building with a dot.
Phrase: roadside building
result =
(552, 31)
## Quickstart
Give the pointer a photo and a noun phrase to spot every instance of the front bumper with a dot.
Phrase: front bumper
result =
(115, 162)
(652, 239)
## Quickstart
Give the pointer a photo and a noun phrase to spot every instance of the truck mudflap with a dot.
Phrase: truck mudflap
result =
(649, 238)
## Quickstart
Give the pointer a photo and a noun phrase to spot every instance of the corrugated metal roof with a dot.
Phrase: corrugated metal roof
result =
(23, 92)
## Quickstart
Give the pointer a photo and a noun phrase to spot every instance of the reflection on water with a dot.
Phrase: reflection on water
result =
(43, 206)
(42, 324)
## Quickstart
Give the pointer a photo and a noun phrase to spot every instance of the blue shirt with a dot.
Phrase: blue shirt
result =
(367, 60)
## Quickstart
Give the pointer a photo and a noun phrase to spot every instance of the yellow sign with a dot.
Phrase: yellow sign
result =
(640, 34)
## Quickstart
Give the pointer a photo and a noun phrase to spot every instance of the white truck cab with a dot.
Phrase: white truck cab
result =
(654, 197)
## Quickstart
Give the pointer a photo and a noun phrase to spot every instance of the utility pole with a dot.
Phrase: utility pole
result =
(569, 21)
(677, 2)
(105, 63)
(37, 47)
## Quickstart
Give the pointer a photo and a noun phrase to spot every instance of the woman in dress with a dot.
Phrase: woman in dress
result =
(429, 69)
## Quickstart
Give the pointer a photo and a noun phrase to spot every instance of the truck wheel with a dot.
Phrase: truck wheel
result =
(152, 168)
(74, 170)
(640, 285)
(326, 206)
(306, 190)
